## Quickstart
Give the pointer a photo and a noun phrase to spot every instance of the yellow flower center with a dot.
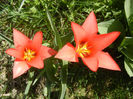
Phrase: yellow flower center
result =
(83, 50)
(29, 54)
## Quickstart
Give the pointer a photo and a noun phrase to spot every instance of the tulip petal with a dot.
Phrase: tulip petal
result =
(19, 38)
(79, 33)
(91, 62)
(106, 61)
(15, 53)
(46, 52)
(67, 53)
(102, 41)
(19, 68)
(90, 25)
(37, 41)
(37, 62)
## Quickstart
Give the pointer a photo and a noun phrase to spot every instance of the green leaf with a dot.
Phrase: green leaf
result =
(126, 47)
(128, 8)
(129, 14)
(128, 66)
(128, 51)
(109, 26)
(130, 23)
(127, 41)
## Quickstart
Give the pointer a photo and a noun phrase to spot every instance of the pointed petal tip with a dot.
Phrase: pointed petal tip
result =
(15, 30)
(7, 51)
(39, 32)
(119, 69)
(94, 70)
(116, 32)
(72, 23)
(14, 76)
(90, 25)
(92, 12)
(107, 62)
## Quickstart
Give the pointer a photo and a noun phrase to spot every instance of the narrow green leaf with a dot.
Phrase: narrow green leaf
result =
(128, 66)
(30, 80)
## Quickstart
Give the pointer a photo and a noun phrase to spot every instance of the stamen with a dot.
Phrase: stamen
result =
(83, 50)
(29, 54)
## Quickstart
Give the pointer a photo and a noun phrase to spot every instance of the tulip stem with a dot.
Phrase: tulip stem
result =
(64, 73)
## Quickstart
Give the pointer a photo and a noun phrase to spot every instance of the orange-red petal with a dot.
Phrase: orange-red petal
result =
(79, 33)
(91, 62)
(67, 53)
(19, 68)
(37, 62)
(46, 52)
(107, 62)
(15, 53)
(102, 41)
(19, 38)
(37, 41)
(90, 25)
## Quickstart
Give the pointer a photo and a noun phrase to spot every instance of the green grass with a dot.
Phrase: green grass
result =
(82, 83)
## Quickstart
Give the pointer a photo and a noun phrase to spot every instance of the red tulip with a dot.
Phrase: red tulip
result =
(28, 53)
(89, 46)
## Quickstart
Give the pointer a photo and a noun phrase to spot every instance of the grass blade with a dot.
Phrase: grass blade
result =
(6, 38)
(22, 3)
(41, 73)
(57, 39)
(29, 83)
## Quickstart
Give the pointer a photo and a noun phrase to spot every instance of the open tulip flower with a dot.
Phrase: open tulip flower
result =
(89, 46)
(28, 53)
